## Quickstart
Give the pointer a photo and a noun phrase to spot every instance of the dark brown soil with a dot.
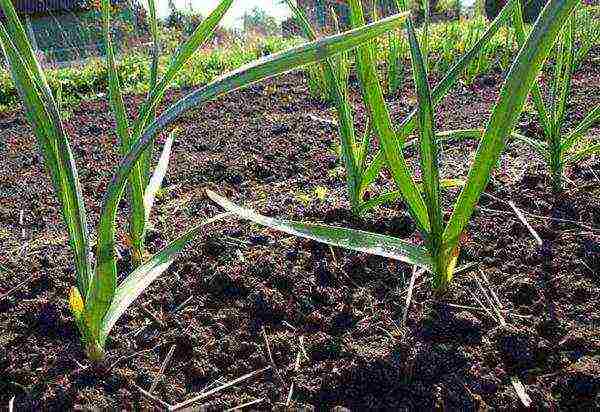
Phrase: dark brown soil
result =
(338, 313)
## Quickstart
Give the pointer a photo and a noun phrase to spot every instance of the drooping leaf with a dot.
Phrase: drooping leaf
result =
(358, 240)
(103, 287)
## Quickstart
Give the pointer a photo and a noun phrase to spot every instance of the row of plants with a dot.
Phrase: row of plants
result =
(77, 83)
(98, 300)
(449, 40)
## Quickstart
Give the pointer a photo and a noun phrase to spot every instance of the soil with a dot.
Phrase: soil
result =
(328, 321)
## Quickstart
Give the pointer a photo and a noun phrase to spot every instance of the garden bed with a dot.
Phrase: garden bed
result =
(328, 321)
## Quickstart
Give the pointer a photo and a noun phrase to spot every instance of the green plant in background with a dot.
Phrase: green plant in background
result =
(393, 51)
(450, 40)
(97, 302)
(448, 46)
(560, 149)
(353, 153)
(465, 37)
(472, 70)
(485, 62)
(318, 86)
(441, 246)
(397, 51)
(509, 46)
(587, 31)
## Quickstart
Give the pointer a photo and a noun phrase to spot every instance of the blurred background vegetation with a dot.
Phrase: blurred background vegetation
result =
(67, 35)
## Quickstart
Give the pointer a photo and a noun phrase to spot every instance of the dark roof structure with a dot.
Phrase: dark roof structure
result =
(32, 7)
(44, 7)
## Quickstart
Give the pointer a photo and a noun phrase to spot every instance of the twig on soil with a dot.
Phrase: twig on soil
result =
(303, 349)
(487, 281)
(321, 120)
(213, 384)
(415, 273)
(586, 266)
(182, 405)
(242, 406)
(296, 369)
(79, 365)
(494, 305)
(290, 394)
(140, 330)
(20, 285)
(122, 358)
(22, 224)
(493, 312)
(333, 255)
(474, 295)
(289, 325)
(152, 316)
(273, 365)
(451, 305)
(594, 173)
(532, 215)
(162, 369)
(184, 303)
(416, 287)
(520, 390)
(466, 268)
(298, 361)
(535, 234)
(152, 398)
